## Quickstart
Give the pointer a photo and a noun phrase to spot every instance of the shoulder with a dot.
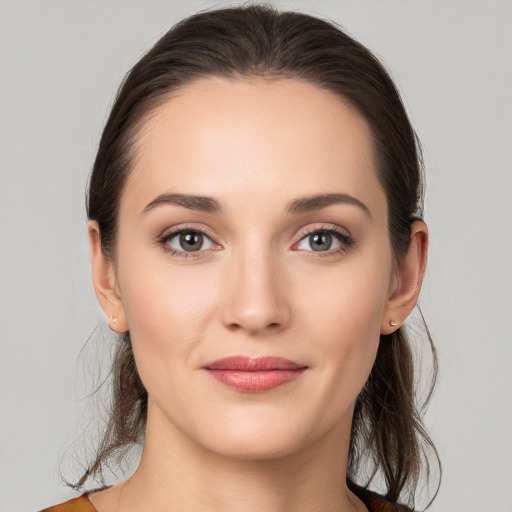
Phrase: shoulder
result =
(375, 502)
(80, 504)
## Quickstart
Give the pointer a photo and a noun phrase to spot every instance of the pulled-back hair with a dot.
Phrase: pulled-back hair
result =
(259, 41)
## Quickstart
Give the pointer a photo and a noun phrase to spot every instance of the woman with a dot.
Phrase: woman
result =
(256, 240)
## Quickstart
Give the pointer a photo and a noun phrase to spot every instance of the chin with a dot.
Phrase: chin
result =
(256, 449)
(256, 440)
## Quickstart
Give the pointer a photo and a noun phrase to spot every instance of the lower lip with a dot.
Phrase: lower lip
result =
(255, 381)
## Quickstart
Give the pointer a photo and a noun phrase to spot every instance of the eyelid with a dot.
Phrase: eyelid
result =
(329, 228)
(184, 227)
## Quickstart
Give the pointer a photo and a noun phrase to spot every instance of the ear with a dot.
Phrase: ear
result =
(407, 281)
(105, 282)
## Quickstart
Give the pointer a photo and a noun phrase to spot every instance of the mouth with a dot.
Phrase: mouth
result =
(254, 375)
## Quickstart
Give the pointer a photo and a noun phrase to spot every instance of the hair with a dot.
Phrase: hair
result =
(259, 41)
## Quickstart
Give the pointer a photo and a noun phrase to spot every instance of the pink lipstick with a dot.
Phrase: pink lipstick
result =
(254, 375)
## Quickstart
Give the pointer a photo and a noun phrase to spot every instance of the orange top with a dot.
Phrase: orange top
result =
(80, 504)
(374, 503)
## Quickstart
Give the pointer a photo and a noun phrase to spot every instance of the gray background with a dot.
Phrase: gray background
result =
(60, 65)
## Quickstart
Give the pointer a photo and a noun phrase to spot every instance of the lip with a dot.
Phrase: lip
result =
(253, 364)
(254, 375)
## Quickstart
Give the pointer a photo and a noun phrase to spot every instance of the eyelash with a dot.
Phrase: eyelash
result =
(346, 240)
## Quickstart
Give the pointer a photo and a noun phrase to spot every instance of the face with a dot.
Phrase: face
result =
(261, 269)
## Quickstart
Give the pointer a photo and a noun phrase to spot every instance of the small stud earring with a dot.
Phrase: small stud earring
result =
(392, 323)
(112, 318)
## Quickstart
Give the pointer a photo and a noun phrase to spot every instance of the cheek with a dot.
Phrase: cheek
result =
(348, 316)
(349, 301)
(167, 308)
(350, 336)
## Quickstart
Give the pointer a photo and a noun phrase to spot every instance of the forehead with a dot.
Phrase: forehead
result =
(253, 138)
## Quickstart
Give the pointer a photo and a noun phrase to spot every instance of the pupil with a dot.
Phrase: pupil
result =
(321, 241)
(192, 241)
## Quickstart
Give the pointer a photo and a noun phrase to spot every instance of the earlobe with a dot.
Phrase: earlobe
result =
(105, 282)
(409, 277)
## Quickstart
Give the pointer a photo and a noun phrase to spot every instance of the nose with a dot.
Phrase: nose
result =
(254, 299)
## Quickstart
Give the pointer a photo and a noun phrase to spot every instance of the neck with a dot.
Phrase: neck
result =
(176, 473)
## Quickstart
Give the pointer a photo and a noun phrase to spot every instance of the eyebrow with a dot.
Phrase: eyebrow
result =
(319, 201)
(300, 205)
(200, 203)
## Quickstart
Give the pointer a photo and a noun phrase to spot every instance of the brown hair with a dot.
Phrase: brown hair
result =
(388, 437)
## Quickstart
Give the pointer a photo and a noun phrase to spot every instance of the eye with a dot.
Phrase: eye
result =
(186, 241)
(326, 240)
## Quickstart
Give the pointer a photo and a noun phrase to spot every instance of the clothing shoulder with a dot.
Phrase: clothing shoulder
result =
(375, 502)
(379, 504)
(80, 504)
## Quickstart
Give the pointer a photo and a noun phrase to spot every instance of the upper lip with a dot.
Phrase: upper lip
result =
(253, 364)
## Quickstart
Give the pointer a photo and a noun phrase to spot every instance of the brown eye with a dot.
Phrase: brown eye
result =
(326, 241)
(320, 241)
(188, 241)
(191, 241)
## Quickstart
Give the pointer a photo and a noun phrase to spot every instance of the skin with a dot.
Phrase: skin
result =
(257, 288)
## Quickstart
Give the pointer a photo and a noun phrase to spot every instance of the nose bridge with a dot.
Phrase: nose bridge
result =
(255, 293)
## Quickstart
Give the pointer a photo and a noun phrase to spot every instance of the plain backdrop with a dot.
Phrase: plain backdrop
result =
(60, 65)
